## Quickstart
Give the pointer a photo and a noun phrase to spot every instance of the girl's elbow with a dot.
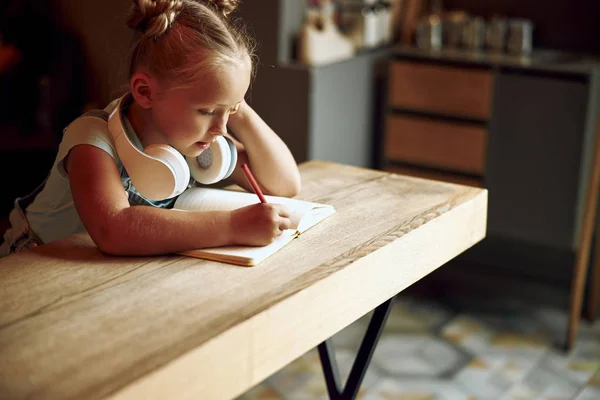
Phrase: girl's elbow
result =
(109, 241)
(295, 187)
(107, 244)
(291, 188)
(285, 186)
(293, 184)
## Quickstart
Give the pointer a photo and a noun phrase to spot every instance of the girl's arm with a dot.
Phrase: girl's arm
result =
(271, 161)
(120, 229)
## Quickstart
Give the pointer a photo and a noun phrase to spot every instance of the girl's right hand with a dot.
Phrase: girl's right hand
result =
(259, 224)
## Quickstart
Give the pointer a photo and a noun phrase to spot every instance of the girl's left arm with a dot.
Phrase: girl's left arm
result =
(269, 158)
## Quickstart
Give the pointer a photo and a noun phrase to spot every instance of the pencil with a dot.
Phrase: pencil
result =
(253, 183)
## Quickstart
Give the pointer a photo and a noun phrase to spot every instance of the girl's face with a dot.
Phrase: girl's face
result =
(191, 118)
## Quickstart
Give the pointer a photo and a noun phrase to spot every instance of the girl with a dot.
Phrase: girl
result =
(190, 68)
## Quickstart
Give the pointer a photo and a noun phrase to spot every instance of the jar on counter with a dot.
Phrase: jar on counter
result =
(383, 13)
(520, 37)
(474, 34)
(454, 23)
(429, 33)
(495, 34)
(360, 21)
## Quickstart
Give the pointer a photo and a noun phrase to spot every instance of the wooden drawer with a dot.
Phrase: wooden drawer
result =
(435, 175)
(441, 89)
(451, 146)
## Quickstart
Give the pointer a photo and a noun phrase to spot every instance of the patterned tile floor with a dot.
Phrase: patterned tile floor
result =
(431, 351)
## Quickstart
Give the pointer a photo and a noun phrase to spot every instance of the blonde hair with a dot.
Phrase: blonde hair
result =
(177, 40)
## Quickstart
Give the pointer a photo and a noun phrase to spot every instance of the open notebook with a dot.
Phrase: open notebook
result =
(305, 215)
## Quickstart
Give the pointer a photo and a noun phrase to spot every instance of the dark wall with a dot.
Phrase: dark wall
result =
(570, 25)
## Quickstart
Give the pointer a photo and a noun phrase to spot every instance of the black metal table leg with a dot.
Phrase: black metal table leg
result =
(361, 363)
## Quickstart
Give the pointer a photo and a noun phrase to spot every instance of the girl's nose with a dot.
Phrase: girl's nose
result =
(219, 126)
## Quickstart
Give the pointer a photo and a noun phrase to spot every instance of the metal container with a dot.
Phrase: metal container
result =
(360, 22)
(454, 25)
(429, 33)
(520, 37)
(474, 34)
(495, 35)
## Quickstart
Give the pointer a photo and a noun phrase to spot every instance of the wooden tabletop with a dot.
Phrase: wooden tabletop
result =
(80, 325)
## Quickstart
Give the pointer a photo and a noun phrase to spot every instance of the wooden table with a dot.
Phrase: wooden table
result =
(80, 325)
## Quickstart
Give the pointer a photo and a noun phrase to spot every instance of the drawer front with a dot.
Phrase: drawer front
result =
(451, 146)
(435, 175)
(441, 89)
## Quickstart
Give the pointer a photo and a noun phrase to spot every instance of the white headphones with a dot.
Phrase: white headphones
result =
(161, 172)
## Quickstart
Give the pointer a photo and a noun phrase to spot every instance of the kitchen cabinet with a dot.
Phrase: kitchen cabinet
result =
(521, 129)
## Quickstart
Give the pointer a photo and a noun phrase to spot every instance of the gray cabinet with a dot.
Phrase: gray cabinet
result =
(534, 159)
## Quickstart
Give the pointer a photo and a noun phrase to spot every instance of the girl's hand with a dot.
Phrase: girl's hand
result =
(259, 224)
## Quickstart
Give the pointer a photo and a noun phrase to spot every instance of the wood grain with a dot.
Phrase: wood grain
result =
(445, 145)
(77, 324)
(447, 90)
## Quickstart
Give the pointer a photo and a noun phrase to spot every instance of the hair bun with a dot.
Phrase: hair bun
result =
(225, 7)
(153, 17)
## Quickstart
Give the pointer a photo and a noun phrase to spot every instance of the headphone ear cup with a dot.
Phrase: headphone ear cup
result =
(215, 163)
(233, 157)
(177, 163)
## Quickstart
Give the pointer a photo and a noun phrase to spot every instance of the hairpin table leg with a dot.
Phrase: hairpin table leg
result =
(361, 363)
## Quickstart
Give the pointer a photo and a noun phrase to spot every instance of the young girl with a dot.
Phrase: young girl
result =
(190, 68)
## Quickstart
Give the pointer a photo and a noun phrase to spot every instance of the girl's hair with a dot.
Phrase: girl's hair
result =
(177, 40)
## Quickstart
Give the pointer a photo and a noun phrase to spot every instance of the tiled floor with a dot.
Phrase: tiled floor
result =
(430, 351)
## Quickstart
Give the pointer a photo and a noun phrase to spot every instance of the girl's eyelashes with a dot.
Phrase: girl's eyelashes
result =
(232, 110)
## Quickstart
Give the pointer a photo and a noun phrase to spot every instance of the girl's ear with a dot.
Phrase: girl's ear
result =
(142, 89)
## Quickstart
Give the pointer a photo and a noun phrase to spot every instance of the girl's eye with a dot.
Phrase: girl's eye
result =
(206, 112)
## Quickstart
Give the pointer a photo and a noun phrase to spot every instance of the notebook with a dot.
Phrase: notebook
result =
(304, 215)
